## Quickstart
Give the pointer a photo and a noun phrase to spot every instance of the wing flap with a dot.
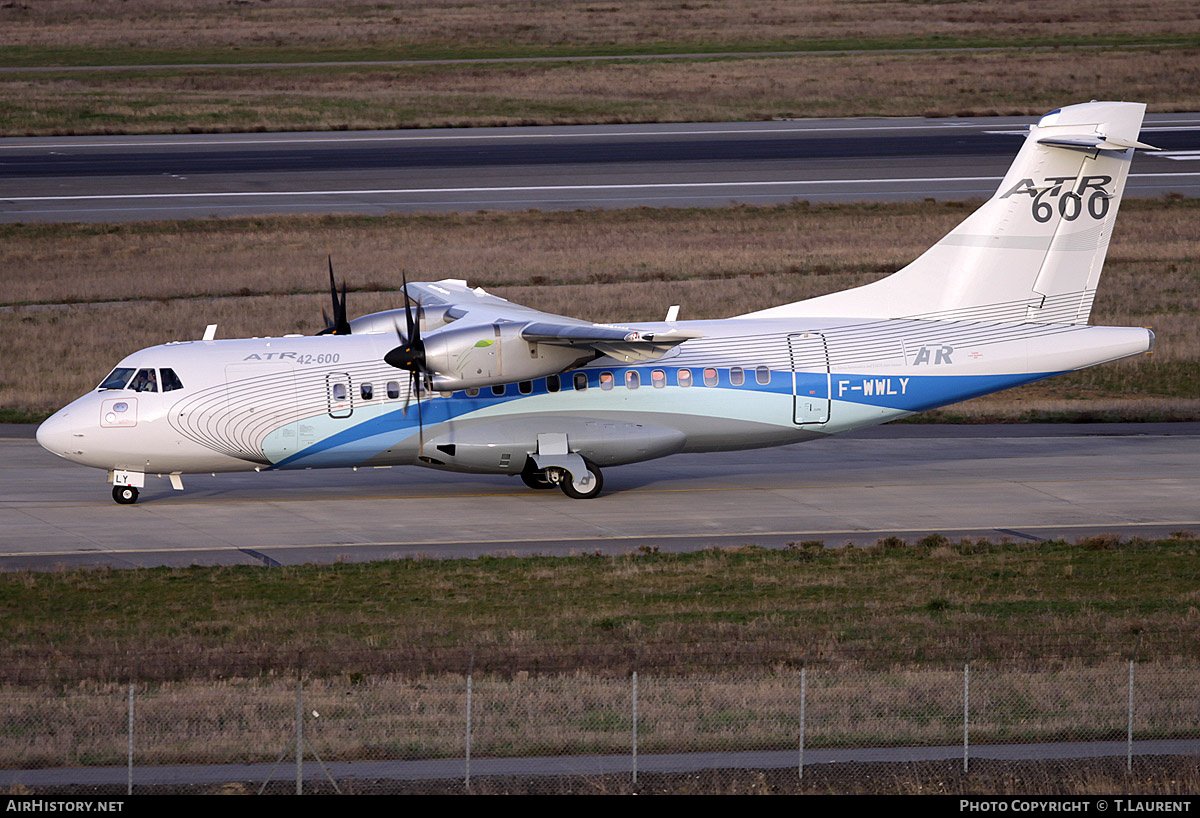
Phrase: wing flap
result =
(622, 343)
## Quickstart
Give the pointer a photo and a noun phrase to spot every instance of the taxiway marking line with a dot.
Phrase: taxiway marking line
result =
(19, 505)
(504, 189)
(530, 188)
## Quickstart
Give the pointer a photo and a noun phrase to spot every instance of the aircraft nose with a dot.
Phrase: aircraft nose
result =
(55, 435)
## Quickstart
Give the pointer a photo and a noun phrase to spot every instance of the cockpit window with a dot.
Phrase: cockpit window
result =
(144, 381)
(170, 381)
(117, 378)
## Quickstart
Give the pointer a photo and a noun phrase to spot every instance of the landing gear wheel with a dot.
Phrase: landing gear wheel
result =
(536, 479)
(583, 489)
(125, 495)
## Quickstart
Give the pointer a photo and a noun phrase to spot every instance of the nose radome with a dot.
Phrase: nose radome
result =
(54, 434)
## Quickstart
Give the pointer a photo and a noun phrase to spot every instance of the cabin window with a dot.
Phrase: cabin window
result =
(170, 381)
(144, 381)
(632, 379)
(763, 375)
(525, 387)
(581, 383)
(117, 378)
(659, 378)
(473, 392)
(499, 389)
(684, 377)
(606, 380)
(339, 391)
(367, 390)
(553, 383)
(710, 377)
(393, 390)
(737, 376)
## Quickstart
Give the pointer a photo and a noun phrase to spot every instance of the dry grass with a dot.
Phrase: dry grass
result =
(264, 277)
(1020, 606)
(388, 717)
(1014, 83)
(283, 256)
(717, 639)
(415, 24)
(137, 32)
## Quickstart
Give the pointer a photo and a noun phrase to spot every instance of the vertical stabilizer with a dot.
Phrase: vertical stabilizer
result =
(1031, 253)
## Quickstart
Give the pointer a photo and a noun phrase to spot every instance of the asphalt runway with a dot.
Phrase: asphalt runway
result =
(1022, 482)
(124, 178)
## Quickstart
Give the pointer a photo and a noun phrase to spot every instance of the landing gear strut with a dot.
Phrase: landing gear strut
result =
(125, 495)
(536, 479)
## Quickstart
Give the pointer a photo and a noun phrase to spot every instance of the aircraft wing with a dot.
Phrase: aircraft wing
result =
(468, 306)
(474, 305)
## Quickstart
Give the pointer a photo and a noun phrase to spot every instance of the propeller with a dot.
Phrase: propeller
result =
(338, 325)
(410, 356)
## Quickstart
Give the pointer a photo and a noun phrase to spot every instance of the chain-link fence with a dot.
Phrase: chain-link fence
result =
(413, 733)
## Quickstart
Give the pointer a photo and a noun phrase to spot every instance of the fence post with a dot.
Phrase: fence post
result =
(129, 784)
(1129, 732)
(635, 727)
(299, 734)
(966, 713)
(468, 782)
(803, 681)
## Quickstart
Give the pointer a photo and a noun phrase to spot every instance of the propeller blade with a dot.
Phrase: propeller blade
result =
(413, 325)
(410, 355)
(339, 325)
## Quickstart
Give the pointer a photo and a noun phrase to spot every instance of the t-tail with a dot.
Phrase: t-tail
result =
(1033, 253)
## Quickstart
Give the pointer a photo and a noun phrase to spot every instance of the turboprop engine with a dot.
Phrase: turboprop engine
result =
(488, 355)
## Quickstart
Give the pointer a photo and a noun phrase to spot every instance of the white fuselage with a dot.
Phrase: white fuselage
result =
(331, 401)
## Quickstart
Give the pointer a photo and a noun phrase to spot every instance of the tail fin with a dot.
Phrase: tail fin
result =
(1034, 251)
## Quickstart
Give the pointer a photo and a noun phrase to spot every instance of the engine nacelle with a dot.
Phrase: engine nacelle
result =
(388, 321)
(489, 355)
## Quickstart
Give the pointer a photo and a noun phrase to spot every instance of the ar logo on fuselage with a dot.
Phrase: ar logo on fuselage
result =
(1088, 196)
(934, 355)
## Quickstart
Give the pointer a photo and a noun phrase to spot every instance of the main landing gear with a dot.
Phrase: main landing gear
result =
(584, 487)
(125, 495)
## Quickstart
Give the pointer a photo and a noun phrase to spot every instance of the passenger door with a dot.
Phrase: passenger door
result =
(810, 378)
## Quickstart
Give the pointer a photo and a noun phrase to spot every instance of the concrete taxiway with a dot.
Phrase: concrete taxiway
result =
(1021, 482)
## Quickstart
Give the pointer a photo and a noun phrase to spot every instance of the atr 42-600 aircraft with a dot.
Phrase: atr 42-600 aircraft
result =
(479, 384)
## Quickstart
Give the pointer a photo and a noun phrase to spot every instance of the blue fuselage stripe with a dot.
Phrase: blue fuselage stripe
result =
(903, 394)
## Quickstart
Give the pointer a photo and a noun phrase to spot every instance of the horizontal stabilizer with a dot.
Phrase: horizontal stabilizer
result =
(1092, 142)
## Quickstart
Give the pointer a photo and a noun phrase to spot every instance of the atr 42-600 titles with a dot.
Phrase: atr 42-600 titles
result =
(465, 381)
